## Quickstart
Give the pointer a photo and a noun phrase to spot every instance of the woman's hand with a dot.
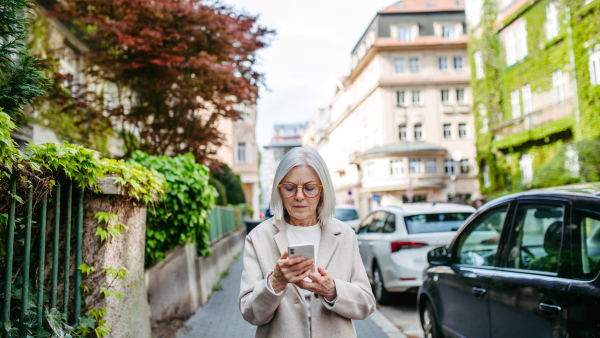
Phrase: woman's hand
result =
(290, 270)
(322, 284)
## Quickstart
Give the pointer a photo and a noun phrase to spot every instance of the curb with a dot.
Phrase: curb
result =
(385, 325)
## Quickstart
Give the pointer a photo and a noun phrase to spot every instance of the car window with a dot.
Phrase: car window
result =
(479, 243)
(378, 221)
(586, 244)
(365, 223)
(440, 222)
(345, 214)
(536, 238)
(390, 224)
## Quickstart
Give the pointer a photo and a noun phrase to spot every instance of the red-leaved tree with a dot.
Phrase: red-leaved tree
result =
(179, 66)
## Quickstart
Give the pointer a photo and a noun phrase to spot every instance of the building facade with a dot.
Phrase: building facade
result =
(535, 76)
(285, 137)
(401, 122)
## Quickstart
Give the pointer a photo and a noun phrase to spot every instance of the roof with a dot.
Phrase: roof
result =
(401, 148)
(581, 189)
(417, 6)
(419, 208)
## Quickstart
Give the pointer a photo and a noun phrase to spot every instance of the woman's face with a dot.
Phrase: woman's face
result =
(301, 207)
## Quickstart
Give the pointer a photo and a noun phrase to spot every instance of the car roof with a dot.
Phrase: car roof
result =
(345, 206)
(590, 190)
(420, 208)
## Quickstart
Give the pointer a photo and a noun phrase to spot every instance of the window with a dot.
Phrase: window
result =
(462, 130)
(400, 98)
(536, 238)
(402, 132)
(449, 167)
(515, 104)
(510, 47)
(414, 65)
(486, 177)
(484, 119)
(551, 21)
(586, 244)
(526, 95)
(242, 152)
(418, 132)
(371, 169)
(558, 84)
(396, 167)
(405, 34)
(431, 166)
(378, 221)
(460, 95)
(449, 32)
(399, 65)
(478, 59)
(526, 166)
(390, 224)
(443, 64)
(415, 166)
(445, 96)
(458, 63)
(572, 161)
(464, 166)
(428, 223)
(522, 40)
(416, 97)
(447, 131)
(479, 244)
(594, 66)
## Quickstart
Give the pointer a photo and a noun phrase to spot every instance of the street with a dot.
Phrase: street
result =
(403, 314)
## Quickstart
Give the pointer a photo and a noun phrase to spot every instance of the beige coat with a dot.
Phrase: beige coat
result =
(285, 315)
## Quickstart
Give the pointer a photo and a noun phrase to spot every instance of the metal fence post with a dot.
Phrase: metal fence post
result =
(9, 252)
(27, 249)
(67, 248)
(78, 254)
(56, 243)
(40, 295)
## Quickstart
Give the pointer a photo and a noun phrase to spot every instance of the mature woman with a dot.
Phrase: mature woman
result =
(284, 296)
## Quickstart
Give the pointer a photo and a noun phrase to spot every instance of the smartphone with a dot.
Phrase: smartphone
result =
(305, 250)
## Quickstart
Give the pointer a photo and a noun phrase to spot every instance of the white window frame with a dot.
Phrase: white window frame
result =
(241, 152)
(594, 66)
(401, 97)
(447, 128)
(418, 102)
(526, 166)
(552, 25)
(419, 133)
(460, 95)
(459, 61)
(402, 132)
(462, 130)
(449, 32)
(484, 119)
(443, 64)
(515, 105)
(414, 165)
(445, 96)
(371, 169)
(405, 33)
(399, 65)
(486, 177)
(416, 63)
(449, 167)
(396, 167)
(464, 163)
(478, 59)
(510, 45)
(431, 166)
(558, 83)
(526, 97)
(522, 49)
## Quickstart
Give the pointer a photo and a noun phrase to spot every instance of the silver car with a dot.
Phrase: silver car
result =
(348, 214)
(394, 241)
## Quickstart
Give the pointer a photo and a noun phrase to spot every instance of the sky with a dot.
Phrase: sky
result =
(309, 52)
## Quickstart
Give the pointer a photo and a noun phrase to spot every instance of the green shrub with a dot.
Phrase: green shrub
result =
(222, 198)
(233, 185)
(183, 212)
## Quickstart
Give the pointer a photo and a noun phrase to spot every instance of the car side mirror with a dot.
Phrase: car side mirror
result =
(438, 256)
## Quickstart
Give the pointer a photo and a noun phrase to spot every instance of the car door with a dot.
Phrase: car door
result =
(463, 298)
(371, 237)
(529, 292)
(584, 294)
(363, 246)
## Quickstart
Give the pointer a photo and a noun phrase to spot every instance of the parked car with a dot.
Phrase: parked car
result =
(348, 214)
(394, 241)
(525, 265)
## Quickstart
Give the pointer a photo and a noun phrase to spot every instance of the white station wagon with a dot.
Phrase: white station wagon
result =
(394, 242)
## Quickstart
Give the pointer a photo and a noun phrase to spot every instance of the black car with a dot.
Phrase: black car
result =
(524, 265)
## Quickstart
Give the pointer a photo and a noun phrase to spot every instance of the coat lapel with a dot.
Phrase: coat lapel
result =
(329, 242)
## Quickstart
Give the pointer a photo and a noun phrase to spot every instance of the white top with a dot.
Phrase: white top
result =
(304, 235)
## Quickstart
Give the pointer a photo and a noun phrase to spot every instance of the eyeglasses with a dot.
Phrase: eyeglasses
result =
(290, 189)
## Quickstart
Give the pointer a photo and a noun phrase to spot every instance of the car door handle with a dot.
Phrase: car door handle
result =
(478, 291)
(550, 308)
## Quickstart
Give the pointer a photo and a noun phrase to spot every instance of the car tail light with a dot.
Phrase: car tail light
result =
(408, 278)
(396, 246)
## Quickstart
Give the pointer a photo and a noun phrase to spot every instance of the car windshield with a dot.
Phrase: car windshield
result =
(345, 214)
(442, 222)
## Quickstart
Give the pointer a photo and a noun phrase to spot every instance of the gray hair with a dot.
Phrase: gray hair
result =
(309, 157)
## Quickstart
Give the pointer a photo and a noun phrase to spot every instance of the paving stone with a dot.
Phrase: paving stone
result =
(221, 317)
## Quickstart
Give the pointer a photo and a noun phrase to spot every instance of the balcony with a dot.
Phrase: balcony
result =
(461, 108)
(535, 119)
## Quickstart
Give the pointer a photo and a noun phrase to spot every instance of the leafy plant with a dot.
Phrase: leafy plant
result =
(232, 184)
(187, 205)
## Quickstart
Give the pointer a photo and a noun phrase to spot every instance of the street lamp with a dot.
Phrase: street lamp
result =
(409, 191)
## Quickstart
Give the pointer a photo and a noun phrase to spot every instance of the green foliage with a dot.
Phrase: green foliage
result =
(536, 134)
(20, 81)
(232, 184)
(114, 231)
(86, 269)
(144, 184)
(222, 193)
(9, 154)
(187, 204)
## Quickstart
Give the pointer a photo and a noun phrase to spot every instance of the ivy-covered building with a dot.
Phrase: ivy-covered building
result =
(536, 91)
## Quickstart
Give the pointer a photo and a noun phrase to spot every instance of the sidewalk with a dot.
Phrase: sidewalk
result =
(221, 317)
